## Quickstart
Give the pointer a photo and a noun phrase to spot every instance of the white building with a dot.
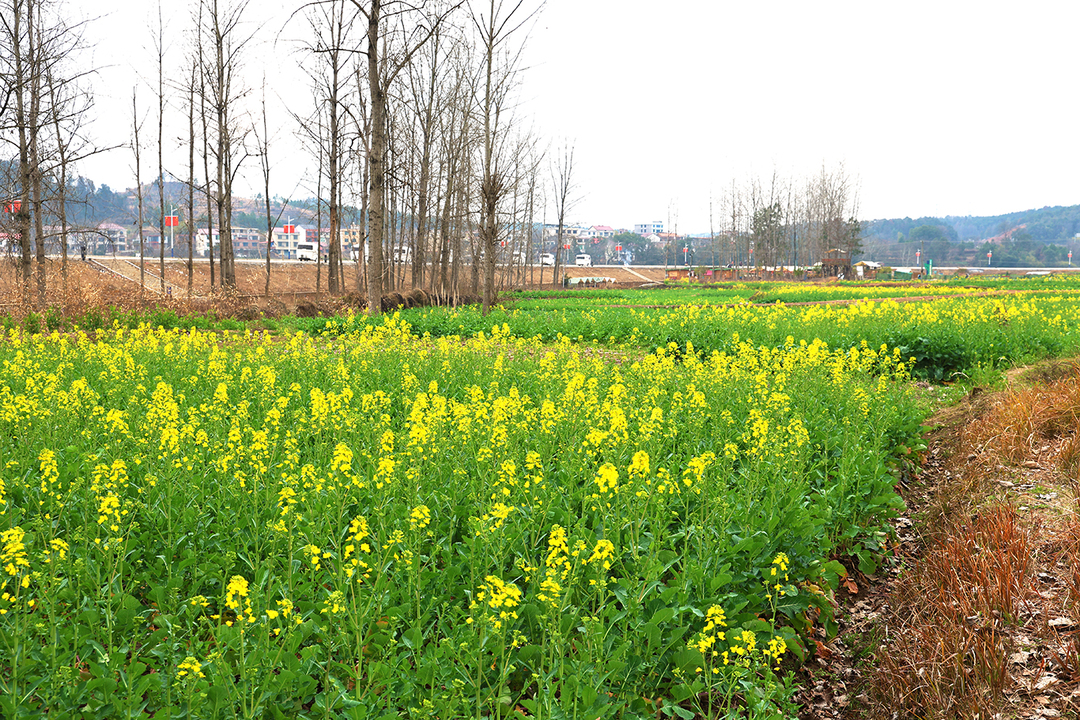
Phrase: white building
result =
(286, 238)
(650, 228)
(247, 242)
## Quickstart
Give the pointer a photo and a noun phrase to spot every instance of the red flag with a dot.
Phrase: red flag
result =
(289, 229)
(172, 221)
(13, 207)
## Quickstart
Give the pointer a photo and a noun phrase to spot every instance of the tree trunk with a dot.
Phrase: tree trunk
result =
(33, 36)
(376, 162)
(139, 194)
(191, 186)
(23, 67)
(161, 150)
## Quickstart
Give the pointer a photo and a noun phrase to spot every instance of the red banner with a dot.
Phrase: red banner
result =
(172, 221)
(13, 207)
(289, 229)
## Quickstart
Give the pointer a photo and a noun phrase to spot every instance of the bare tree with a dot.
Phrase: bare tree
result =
(331, 23)
(136, 123)
(205, 143)
(263, 145)
(495, 26)
(37, 44)
(564, 191)
(159, 45)
(454, 132)
(427, 100)
(221, 29)
(63, 149)
(191, 178)
(35, 39)
(381, 71)
(19, 36)
(376, 154)
(69, 102)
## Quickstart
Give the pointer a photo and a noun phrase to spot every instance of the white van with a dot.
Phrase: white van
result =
(547, 259)
(306, 251)
(583, 260)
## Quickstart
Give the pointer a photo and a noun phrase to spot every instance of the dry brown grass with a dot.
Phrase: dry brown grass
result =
(986, 622)
(1030, 421)
(949, 651)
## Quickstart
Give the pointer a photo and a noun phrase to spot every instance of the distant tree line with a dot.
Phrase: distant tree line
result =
(1032, 238)
(1048, 224)
(784, 220)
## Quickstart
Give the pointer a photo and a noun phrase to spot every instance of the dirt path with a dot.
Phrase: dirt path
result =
(129, 270)
(978, 612)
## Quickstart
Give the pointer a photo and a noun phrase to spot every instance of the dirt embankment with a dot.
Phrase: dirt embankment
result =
(107, 280)
(978, 615)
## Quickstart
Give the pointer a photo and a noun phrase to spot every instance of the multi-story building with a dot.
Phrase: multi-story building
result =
(352, 239)
(286, 239)
(106, 239)
(650, 228)
(247, 242)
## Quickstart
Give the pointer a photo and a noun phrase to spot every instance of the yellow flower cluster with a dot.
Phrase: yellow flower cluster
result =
(315, 556)
(237, 600)
(420, 517)
(16, 565)
(711, 634)
(189, 668)
(501, 598)
(13, 557)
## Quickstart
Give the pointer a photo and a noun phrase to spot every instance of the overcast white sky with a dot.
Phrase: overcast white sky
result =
(947, 107)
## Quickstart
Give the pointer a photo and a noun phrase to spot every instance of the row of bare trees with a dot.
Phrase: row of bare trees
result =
(412, 130)
(46, 94)
(417, 150)
(784, 220)
(417, 130)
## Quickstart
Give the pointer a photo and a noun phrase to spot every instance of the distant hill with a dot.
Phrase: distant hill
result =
(1046, 224)
(90, 204)
(1034, 238)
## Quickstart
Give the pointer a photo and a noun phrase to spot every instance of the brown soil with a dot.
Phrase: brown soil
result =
(107, 280)
(887, 657)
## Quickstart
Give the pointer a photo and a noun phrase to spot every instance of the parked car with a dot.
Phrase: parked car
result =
(547, 259)
(583, 260)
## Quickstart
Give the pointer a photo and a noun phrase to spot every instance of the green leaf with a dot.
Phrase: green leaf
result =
(664, 614)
